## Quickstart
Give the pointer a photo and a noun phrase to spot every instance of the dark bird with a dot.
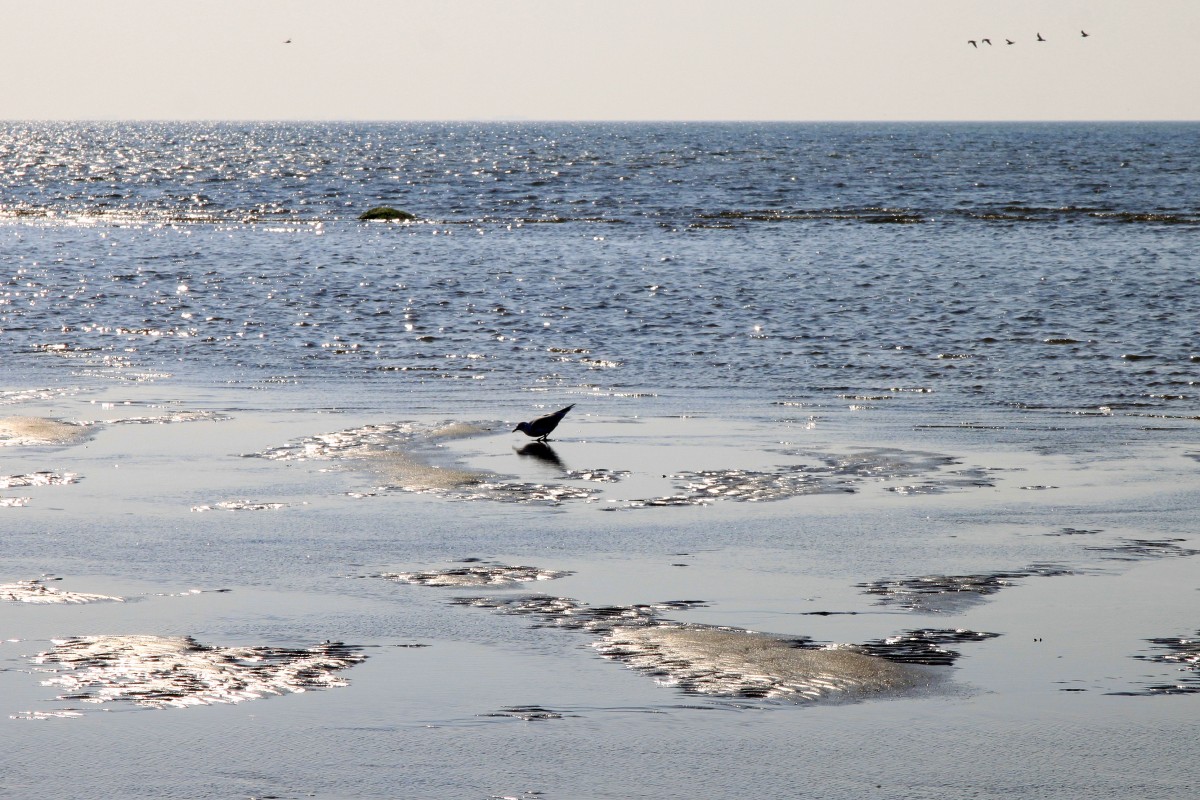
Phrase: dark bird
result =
(1084, 34)
(1009, 41)
(972, 43)
(541, 427)
(289, 41)
(986, 41)
(1040, 39)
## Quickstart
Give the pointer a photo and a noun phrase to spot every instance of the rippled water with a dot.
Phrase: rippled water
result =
(1035, 265)
(860, 393)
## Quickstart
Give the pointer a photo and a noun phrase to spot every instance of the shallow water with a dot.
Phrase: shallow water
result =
(943, 381)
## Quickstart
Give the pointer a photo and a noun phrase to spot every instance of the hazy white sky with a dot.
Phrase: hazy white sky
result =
(600, 59)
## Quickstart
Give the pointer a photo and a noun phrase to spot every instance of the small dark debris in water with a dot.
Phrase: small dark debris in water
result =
(528, 713)
(1075, 532)
(1072, 690)
(827, 613)
(411, 645)
(1038, 488)
(680, 565)
(1140, 549)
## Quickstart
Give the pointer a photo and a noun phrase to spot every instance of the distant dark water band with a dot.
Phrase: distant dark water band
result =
(1005, 214)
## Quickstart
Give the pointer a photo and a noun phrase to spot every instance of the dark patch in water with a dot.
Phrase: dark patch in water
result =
(1142, 549)
(1075, 532)
(1181, 651)
(529, 713)
(924, 646)
(951, 594)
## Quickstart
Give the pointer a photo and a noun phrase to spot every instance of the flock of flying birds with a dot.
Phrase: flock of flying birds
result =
(975, 43)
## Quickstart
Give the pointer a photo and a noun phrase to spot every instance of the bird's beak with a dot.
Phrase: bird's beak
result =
(514, 430)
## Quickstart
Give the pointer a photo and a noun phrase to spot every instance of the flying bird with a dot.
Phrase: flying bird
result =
(289, 41)
(1084, 34)
(541, 427)
(972, 43)
(986, 41)
(1009, 41)
(1040, 39)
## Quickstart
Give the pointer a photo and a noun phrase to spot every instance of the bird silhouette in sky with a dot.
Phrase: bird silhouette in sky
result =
(288, 41)
(1040, 39)
(972, 43)
(1009, 41)
(986, 41)
(1084, 34)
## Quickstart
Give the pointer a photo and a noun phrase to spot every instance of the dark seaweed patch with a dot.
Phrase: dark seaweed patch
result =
(951, 594)
(924, 646)
(1181, 651)
(1142, 549)
(528, 713)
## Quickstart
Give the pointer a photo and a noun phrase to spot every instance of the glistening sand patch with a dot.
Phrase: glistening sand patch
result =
(178, 671)
(831, 473)
(37, 431)
(736, 663)
(36, 591)
(239, 505)
(41, 478)
(476, 575)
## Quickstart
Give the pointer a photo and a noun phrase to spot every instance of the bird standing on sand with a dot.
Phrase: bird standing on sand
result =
(541, 427)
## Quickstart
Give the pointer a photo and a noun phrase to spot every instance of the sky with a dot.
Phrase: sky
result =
(599, 60)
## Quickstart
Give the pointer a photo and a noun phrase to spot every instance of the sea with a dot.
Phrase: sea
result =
(879, 477)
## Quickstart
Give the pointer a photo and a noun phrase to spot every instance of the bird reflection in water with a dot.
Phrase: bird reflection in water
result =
(542, 452)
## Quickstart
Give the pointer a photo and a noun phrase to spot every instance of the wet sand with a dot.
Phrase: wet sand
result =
(670, 568)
